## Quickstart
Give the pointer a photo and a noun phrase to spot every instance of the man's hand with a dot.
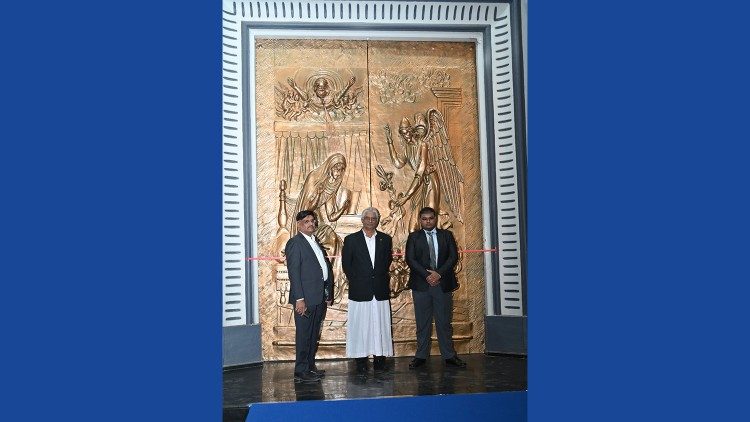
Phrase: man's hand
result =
(300, 307)
(433, 278)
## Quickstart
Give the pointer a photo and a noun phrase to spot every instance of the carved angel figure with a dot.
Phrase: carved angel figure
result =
(323, 103)
(437, 180)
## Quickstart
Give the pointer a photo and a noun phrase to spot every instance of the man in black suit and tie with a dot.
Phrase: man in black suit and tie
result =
(431, 255)
(366, 259)
(310, 284)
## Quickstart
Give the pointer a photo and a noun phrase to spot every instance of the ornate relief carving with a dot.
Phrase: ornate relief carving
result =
(426, 150)
(397, 88)
(320, 99)
(322, 132)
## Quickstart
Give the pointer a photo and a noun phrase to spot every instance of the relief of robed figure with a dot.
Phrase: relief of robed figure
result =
(323, 194)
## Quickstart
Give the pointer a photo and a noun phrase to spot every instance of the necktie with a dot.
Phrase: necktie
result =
(431, 243)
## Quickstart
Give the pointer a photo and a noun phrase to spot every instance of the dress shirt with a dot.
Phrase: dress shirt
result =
(429, 233)
(371, 246)
(318, 253)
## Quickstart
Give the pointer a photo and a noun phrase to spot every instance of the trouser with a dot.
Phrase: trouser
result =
(438, 304)
(307, 330)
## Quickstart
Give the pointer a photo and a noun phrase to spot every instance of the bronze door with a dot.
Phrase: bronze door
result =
(343, 125)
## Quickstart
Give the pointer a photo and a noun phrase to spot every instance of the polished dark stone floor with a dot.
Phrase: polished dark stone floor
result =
(272, 381)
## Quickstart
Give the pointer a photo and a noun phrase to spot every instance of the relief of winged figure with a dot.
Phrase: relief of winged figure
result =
(323, 103)
(437, 180)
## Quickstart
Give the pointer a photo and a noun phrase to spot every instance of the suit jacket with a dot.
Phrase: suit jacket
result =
(366, 281)
(418, 260)
(305, 275)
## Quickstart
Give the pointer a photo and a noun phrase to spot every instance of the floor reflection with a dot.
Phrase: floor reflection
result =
(311, 391)
(273, 381)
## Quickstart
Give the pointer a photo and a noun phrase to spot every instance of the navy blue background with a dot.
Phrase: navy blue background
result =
(111, 196)
(112, 188)
(637, 215)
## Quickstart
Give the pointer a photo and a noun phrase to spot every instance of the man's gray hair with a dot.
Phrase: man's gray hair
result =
(371, 210)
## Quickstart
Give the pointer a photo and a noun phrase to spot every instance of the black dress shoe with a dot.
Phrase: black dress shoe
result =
(319, 372)
(379, 363)
(455, 361)
(306, 377)
(361, 365)
(417, 362)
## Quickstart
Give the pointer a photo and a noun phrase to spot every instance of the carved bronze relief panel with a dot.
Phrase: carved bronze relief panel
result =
(343, 125)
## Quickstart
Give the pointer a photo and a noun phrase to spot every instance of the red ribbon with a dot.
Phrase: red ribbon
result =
(281, 258)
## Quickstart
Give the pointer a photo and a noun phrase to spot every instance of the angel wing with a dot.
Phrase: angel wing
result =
(440, 155)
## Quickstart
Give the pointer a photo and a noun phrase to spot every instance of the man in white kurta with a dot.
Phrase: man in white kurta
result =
(366, 259)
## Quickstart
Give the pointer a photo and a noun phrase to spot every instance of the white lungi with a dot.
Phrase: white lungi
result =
(369, 329)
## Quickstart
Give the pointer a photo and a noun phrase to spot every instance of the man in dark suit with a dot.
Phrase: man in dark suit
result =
(431, 255)
(366, 259)
(310, 285)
